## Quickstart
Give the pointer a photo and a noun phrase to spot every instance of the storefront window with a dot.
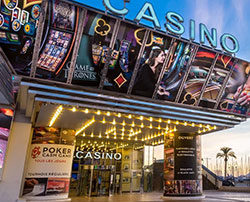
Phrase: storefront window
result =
(93, 50)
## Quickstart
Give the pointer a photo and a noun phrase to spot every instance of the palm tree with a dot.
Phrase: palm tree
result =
(226, 153)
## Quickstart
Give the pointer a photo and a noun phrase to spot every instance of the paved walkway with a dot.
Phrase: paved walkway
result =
(214, 196)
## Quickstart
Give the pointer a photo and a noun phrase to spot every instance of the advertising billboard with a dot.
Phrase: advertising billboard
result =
(18, 24)
(49, 164)
(124, 56)
(182, 165)
(5, 123)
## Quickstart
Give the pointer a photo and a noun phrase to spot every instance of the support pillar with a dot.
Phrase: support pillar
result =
(14, 167)
(182, 167)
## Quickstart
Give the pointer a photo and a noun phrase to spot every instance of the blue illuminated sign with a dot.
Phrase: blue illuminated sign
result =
(174, 25)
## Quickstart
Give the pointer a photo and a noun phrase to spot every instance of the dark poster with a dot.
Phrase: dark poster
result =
(18, 24)
(185, 157)
(58, 41)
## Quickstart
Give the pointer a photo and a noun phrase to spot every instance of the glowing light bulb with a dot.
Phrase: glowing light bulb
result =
(130, 116)
(86, 111)
(193, 125)
(142, 125)
(103, 121)
(108, 113)
(133, 124)
(123, 123)
(98, 112)
(141, 118)
(119, 115)
(73, 109)
(185, 123)
(169, 121)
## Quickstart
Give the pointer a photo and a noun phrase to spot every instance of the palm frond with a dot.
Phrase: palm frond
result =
(220, 155)
(232, 154)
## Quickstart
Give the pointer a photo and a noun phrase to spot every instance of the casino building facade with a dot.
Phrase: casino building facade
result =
(82, 109)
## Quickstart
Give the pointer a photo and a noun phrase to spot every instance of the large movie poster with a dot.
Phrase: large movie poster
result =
(49, 164)
(18, 24)
(5, 123)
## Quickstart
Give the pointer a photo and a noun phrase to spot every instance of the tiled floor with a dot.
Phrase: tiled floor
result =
(214, 196)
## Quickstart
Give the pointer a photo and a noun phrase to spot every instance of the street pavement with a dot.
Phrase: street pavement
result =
(215, 196)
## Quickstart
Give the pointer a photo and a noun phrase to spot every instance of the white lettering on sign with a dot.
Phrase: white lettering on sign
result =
(98, 155)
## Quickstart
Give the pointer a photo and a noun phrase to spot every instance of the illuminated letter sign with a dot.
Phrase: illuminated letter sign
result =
(174, 26)
(98, 155)
(212, 39)
(151, 17)
(175, 20)
(108, 6)
(192, 30)
(224, 46)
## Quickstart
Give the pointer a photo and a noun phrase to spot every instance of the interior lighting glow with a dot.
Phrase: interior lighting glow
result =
(55, 116)
(73, 109)
(85, 126)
